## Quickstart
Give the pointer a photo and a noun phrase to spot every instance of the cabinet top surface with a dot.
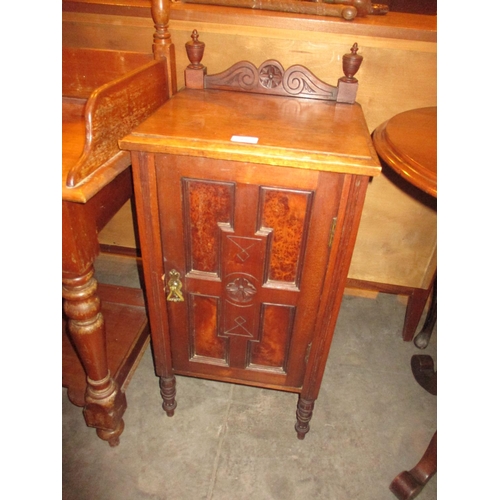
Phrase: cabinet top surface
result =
(274, 130)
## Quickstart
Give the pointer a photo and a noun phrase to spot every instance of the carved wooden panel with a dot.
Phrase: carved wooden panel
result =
(240, 248)
(271, 78)
(243, 258)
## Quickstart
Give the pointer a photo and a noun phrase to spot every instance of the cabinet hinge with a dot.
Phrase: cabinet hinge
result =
(308, 351)
(332, 231)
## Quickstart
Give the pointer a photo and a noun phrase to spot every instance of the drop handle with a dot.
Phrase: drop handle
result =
(174, 287)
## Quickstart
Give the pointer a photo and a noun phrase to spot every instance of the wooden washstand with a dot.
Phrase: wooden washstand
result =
(105, 328)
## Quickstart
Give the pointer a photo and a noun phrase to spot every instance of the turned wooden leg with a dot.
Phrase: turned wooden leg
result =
(304, 414)
(414, 311)
(422, 339)
(408, 484)
(167, 391)
(105, 403)
(422, 367)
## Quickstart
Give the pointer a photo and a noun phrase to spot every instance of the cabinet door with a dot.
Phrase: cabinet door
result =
(250, 245)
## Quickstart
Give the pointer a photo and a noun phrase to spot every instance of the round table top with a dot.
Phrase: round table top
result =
(408, 144)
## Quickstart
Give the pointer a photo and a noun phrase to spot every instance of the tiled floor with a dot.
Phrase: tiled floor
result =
(231, 442)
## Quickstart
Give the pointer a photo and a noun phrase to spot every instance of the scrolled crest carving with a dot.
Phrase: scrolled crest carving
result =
(241, 76)
(298, 80)
(271, 78)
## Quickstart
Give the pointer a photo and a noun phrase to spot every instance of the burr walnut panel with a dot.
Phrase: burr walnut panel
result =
(276, 328)
(204, 343)
(287, 214)
(208, 204)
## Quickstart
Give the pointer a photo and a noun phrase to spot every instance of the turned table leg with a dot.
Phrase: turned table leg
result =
(422, 367)
(408, 484)
(422, 339)
(105, 403)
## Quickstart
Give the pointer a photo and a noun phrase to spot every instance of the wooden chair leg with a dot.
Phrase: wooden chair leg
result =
(408, 484)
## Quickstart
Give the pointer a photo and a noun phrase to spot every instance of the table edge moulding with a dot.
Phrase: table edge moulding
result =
(104, 327)
(295, 137)
(396, 142)
(400, 142)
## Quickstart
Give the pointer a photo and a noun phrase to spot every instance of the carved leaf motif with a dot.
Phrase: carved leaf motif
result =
(270, 76)
(241, 290)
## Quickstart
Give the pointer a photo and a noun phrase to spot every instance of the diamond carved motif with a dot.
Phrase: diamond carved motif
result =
(243, 253)
(239, 328)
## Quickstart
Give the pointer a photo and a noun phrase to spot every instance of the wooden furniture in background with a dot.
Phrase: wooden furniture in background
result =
(105, 329)
(427, 7)
(408, 484)
(249, 190)
(407, 144)
(346, 9)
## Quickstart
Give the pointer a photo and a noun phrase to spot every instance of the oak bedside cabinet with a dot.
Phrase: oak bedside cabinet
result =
(249, 188)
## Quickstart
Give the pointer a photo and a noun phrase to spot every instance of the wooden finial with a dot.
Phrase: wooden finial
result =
(195, 50)
(351, 63)
(194, 74)
(348, 85)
